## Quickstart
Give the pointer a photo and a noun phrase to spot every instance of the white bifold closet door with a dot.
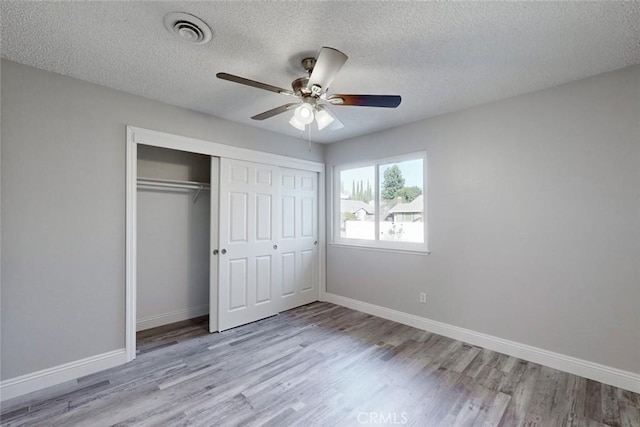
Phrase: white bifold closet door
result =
(298, 238)
(248, 242)
(268, 241)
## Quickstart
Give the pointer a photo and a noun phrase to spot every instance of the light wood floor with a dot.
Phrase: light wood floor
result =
(322, 365)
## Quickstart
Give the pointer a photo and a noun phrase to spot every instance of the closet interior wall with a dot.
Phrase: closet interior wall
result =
(173, 238)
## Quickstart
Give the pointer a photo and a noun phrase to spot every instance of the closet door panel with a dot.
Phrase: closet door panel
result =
(288, 217)
(237, 284)
(288, 277)
(238, 217)
(308, 271)
(298, 238)
(264, 285)
(248, 228)
(307, 218)
(264, 220)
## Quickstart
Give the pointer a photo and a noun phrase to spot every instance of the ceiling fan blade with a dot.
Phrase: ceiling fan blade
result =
(386, 101)
(336, 124)
(328, 64)
(278, 110)
(253, 83)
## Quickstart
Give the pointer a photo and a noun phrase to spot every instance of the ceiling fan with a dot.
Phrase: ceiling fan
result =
(311, 92)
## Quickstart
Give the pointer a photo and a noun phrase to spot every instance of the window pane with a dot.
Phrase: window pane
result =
(357, 203)
(401, 201)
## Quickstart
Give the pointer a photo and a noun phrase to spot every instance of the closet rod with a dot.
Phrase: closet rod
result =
(170, 183)
(155, 182)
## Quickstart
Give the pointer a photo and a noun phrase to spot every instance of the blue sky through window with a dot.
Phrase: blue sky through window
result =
(412, 172)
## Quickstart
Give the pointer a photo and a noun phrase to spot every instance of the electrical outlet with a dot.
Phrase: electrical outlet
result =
(423, 297)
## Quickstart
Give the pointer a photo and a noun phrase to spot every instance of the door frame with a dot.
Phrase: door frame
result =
(135, 136)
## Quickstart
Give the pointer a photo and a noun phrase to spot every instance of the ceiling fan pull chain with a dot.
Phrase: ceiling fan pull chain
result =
(309, 138)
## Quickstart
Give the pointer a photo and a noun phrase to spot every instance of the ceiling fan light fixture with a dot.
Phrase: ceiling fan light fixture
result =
(304, 113)
(323, 117)
(296, 124)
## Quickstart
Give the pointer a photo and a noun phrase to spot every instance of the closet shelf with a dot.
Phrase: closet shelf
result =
(170, 183)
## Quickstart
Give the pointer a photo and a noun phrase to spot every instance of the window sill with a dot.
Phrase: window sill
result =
(380, 249)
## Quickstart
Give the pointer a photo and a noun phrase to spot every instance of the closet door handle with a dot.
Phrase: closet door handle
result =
(224, 251)
(315, 243)
(215, 252)
(275, 246)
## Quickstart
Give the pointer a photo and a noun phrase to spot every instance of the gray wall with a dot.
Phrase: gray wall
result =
(63, 209)
(534, 221)
(173, 238)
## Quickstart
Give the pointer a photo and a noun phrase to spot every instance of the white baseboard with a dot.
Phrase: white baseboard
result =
(39, 380)
(171, 317)
(594, 371)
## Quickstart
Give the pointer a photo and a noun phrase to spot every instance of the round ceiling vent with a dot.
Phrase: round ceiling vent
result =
(188, 27)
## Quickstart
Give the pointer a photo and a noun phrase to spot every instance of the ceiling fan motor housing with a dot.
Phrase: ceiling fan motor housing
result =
(300, 86)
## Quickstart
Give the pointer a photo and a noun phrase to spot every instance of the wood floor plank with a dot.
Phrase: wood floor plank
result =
(610, 407)
(494, 410)
(581, 421)
(576, 395)
(452, 391)
(540, 407)
(628, 397)
(467, 413)
(629, 415)
(560, 404)
(517, 408)
(325, 365)
(512, 379)
(593, 403)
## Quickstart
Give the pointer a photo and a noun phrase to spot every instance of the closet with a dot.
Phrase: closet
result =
(218, 230)
(173, 201)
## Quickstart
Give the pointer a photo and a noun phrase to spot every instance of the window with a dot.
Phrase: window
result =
(381, 204)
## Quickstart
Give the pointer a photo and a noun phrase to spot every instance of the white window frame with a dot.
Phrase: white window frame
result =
(385, 245)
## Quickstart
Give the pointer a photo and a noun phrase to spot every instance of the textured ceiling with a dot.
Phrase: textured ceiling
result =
(439, 57)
